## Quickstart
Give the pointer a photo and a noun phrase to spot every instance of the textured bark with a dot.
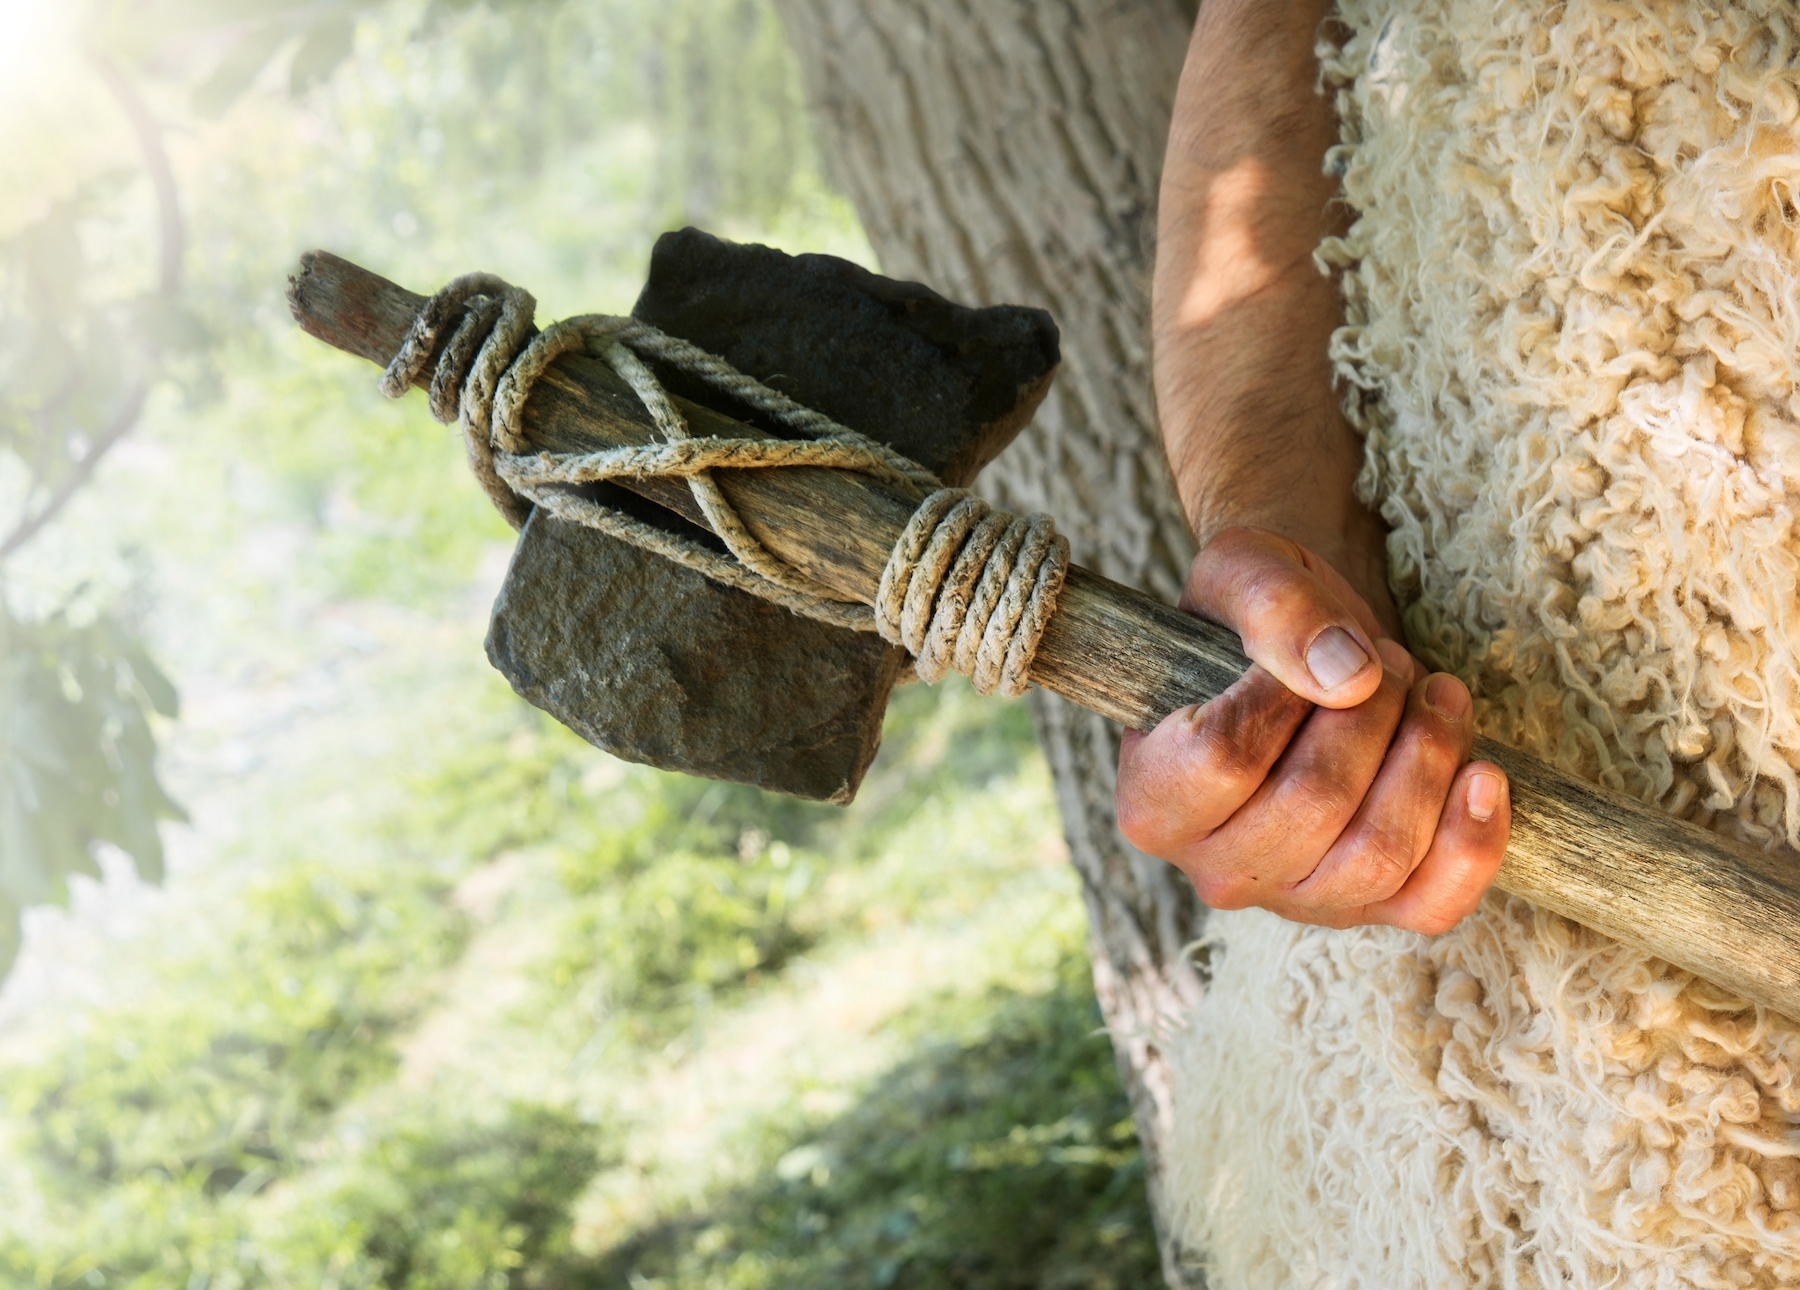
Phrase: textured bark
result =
(1009, 151)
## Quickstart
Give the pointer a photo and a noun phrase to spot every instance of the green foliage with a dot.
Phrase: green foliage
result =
(1004, 1159)
(243, 1116)
(682, 893)
(685, 933)
(219, 1089)
(678, 892)
(160, 1117)
(77, 758)
(938, 743)
(384, 486)
(80, 332)
(518, 782)
(53, 334)
(434, 1202)
(80, 343)
(89, 316)
(727, 96)
(464, 1003)
(654, 117)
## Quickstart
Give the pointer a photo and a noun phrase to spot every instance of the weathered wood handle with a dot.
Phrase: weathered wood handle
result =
(1726, 912)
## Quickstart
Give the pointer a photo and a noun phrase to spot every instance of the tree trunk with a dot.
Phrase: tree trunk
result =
(1008, 151)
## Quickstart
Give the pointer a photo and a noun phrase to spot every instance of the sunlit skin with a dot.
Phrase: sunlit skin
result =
(1331, 785)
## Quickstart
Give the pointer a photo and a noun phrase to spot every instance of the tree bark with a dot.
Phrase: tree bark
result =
(1008, 151)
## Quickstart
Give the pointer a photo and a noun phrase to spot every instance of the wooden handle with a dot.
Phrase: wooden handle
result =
(1726, 912)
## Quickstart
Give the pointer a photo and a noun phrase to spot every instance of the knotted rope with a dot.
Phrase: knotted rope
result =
(966, 588)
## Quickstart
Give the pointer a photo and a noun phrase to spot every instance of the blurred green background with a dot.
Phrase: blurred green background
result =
(432, 994)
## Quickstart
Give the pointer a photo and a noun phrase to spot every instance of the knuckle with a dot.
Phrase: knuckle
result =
(1159, 822)
(1143, 824)
(1169, 799)
(1433, 922)
(1221, 891)
(1436, 912)
(1394, 696)
(1224, 760)
(1215, 567)
(1252, 576)
(1436, 745)
(1270, 600)
(1383, 858)
(1312, 805)
(1424, 759)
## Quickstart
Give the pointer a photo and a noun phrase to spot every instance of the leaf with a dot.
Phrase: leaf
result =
(156, 685)
(77, 757)
(326, 45)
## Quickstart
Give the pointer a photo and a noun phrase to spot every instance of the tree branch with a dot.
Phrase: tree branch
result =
(171, 244)
(123, 420)
(173, 240)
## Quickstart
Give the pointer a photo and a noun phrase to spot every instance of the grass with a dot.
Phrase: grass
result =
(946, 1172)
(539, 1018)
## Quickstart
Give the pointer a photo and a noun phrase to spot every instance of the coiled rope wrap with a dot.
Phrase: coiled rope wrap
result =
(967, 588)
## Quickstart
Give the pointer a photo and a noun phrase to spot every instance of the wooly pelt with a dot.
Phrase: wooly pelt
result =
(1572, 340)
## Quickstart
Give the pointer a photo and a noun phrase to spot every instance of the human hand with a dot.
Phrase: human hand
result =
(1328, 785)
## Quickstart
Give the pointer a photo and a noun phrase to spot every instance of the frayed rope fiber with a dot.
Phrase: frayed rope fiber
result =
(1572, 341)
(966, 588)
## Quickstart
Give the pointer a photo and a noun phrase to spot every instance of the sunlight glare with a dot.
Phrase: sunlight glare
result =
(30, 31)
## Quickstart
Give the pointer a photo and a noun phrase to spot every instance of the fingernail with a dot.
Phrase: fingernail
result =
(1446, 697)
(1485, 790)
(1334, 657)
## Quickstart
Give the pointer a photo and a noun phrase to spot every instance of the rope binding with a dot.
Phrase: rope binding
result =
(967, 588)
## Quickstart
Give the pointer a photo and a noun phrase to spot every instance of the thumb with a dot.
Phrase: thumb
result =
(1296, 616)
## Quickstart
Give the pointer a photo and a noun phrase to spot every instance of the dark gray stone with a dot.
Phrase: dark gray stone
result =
(947, 385)
(655, 663)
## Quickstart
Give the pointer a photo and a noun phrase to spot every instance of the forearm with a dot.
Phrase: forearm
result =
(1332, 783)
(1241, 316)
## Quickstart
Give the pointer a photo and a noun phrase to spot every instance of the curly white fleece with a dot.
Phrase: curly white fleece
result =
(1573, 342)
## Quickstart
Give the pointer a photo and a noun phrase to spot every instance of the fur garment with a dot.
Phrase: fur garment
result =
(1572, 338)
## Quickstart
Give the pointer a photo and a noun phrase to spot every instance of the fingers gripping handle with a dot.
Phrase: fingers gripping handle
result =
(1726, 912)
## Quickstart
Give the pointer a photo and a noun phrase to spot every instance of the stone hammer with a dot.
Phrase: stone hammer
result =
(656, 663)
